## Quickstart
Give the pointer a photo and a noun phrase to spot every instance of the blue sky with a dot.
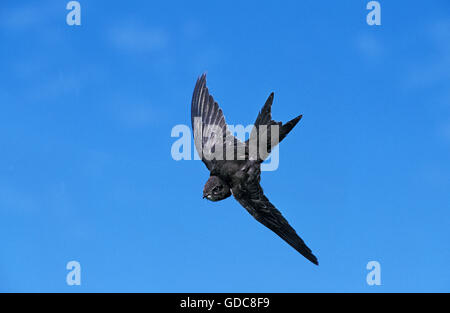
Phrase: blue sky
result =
(86, 172)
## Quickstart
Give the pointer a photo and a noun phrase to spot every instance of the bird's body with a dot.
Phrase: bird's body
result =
(239, 172)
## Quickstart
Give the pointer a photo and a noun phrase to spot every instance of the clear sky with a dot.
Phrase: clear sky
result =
(86, 172)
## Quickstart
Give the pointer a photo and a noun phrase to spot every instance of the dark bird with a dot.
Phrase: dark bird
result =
(235, 167)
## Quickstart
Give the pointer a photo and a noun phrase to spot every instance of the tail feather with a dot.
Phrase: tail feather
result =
(265, 118)
(286, 128)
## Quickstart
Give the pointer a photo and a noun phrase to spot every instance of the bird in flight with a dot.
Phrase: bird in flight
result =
(235, 166)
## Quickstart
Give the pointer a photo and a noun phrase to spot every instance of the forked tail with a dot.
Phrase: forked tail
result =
(265, 119)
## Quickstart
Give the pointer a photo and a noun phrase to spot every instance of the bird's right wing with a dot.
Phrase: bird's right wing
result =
(252, 198)
(212, 137)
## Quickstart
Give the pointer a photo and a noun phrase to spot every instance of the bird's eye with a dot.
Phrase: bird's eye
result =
(217, 188)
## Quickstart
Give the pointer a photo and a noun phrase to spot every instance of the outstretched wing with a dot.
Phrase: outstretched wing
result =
(211, 135)
(252, 198)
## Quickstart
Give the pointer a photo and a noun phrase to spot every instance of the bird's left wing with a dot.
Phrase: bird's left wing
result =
(212, 137)
(252, 198)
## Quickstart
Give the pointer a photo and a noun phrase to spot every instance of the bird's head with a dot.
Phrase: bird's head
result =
(216, 189)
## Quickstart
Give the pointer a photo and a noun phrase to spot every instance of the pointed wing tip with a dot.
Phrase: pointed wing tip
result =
(200, 84)
(201, 80)
(307, 253)
(311, 257)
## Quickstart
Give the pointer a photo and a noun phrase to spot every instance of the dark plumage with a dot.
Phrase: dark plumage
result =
(233, 168)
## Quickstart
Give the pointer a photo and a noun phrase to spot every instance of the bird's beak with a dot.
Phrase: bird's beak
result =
(204, 196)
